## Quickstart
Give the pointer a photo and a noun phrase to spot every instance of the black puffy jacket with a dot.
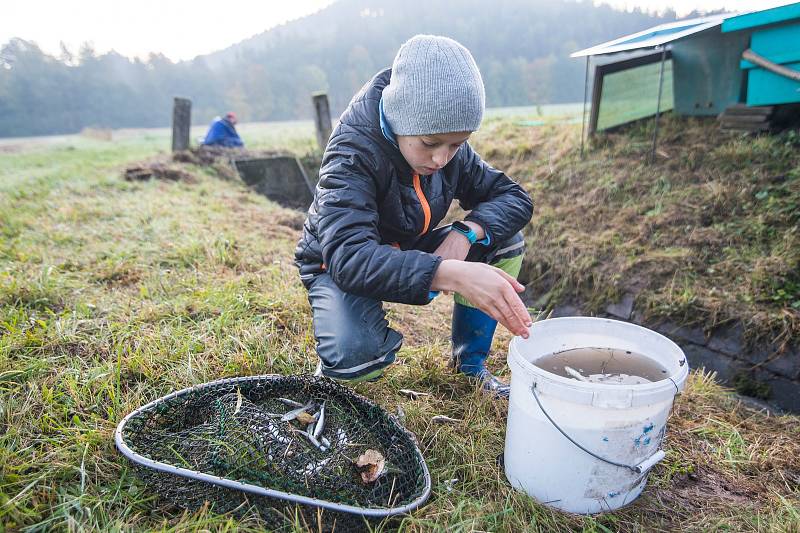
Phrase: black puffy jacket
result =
(368, 201)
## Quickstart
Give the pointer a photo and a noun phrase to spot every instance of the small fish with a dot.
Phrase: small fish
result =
(320, 422)
(575, 374)
(325, 442)
(291, 415)
(238, 400)
(413, 394)
(290, 403)
(442, 419)
(314, 440)
(313, 468)
(275, 433)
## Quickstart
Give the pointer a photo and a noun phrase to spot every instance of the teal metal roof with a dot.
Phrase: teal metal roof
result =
(762, 18)
(655, 36)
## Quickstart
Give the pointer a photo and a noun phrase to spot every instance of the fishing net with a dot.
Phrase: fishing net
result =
(229, 444)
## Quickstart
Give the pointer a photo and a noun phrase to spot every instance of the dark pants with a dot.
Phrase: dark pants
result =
(353, 336)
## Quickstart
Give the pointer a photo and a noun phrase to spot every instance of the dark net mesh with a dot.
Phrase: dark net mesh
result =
(233, 429)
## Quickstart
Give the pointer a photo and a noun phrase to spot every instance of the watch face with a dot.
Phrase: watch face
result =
(460, 226)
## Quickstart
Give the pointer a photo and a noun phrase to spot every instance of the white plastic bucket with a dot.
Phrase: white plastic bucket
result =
(623, 424)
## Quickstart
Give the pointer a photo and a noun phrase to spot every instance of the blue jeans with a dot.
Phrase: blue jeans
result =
(353, 336)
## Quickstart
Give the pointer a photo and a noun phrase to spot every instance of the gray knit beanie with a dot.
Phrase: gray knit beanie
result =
(435, 88)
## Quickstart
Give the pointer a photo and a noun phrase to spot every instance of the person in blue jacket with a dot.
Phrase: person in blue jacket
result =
(222, 132)
(394, 163)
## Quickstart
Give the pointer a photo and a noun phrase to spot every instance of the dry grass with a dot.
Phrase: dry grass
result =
(708, 234)
(115, 293)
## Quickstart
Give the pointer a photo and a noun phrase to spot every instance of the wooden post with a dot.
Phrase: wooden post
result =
(181, 123)
(322, 118)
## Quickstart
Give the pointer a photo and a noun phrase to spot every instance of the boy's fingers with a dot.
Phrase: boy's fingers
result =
(520, 318)
(523, 314)
(510, 319)
(519, 309)
(497, 315)
(519, 287)
(505, 313)
(511, 279)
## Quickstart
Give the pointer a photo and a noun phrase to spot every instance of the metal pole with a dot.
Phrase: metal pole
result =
(658, 103)
(585, 91)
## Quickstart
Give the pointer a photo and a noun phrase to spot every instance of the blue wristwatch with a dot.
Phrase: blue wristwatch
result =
(465, 230)
(468, 232)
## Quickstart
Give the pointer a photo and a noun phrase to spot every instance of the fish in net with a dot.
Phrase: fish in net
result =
(287, 447)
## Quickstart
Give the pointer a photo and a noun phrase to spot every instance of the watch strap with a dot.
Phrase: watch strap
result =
(469, 233)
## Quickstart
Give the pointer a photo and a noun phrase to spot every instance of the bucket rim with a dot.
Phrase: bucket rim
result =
(674, 382)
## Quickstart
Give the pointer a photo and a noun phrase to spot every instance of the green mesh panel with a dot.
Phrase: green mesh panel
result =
(632, 94)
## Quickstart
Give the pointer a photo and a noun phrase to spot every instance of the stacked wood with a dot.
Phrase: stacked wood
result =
(740, 117)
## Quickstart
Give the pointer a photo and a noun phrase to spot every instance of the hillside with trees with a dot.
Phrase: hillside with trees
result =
(521, 46)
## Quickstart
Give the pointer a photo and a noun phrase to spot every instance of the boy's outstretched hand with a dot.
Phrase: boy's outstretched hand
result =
(489, 289)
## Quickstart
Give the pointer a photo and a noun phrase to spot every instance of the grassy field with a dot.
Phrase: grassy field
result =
(114, 293)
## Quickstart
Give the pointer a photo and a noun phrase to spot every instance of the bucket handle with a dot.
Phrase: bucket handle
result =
(641, 468)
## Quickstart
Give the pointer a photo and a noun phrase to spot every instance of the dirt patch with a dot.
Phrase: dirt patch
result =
(709, 486)
(11, 148)
(159, 171)
(120, 276)
(293, 220)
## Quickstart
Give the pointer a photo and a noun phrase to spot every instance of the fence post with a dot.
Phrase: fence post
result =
(181, 123)
(322, 118)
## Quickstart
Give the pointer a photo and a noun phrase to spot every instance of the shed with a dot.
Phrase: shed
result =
(693, 67)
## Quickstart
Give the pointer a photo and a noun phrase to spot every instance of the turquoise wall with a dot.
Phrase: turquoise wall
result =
(706, 73)
(780, 44)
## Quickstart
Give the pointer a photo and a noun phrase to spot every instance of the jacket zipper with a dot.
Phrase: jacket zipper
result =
(426, 209)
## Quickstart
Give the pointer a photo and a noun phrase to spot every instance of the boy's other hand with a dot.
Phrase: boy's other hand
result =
(489, 289)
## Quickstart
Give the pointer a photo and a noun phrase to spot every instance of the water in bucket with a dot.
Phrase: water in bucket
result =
(584, 441)
(603, 365)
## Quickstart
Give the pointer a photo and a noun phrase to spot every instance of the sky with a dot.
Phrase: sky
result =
(183, 29)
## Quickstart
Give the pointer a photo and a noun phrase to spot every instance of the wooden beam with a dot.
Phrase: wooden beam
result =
(181, 123)
(322, 118)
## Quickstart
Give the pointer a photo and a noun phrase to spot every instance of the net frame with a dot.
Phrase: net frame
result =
(223, 485)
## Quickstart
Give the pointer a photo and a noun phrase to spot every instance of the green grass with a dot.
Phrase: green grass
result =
(115, 293)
